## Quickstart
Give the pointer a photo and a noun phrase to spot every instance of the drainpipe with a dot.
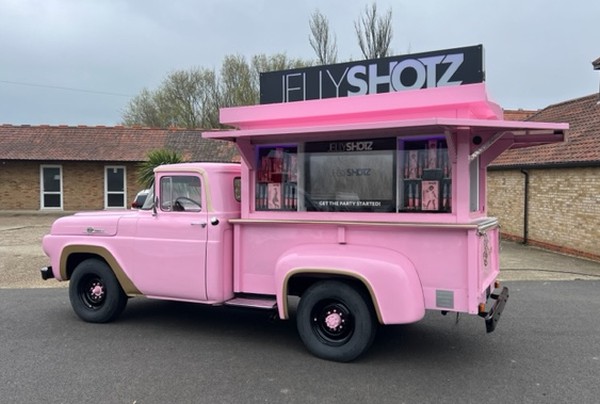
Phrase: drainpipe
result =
(526, 208)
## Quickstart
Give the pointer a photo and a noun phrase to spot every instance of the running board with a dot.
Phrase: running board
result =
(266, 303)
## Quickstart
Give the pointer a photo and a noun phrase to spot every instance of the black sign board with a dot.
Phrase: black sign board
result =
(397, 73)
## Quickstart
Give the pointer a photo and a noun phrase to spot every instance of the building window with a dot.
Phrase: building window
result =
(114, 187)
(51, 187)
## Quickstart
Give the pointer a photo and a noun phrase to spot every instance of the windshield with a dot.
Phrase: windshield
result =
(149, 202)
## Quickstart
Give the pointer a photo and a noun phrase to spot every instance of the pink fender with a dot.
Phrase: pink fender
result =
(390, 277)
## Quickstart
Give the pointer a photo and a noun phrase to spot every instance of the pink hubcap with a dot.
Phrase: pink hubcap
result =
(333, 320)
(97, 291)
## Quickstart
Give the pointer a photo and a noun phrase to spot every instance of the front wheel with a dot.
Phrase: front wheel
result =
(335, 321)
(95, 293)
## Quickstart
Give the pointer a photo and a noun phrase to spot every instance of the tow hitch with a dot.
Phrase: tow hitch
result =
(46, 273)
(496, 303)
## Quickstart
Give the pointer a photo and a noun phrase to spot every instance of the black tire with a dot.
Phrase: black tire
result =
(335, 321)
(96, 295)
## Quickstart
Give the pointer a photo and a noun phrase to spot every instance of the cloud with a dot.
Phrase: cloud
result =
(537, 53)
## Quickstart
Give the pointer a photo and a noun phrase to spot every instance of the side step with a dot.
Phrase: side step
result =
(255, 302)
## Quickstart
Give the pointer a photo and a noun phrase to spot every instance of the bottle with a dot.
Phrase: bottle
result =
(445, 197)
(417, 197)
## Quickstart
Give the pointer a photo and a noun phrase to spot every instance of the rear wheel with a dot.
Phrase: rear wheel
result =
(335, 321)
(95, 293)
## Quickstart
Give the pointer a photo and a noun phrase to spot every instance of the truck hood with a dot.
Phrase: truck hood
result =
(99, 223)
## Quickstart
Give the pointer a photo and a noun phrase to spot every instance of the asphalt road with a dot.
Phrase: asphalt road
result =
(546, 350)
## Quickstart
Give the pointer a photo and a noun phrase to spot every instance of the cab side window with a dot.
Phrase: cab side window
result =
(180, 193)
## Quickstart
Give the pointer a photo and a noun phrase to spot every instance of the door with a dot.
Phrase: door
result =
(170, 246)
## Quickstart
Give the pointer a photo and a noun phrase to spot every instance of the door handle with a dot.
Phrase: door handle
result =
(202, 224)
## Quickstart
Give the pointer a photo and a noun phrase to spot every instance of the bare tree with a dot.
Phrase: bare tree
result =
(238, 83)
(279, 61)
(145, 109)
(322, 42)
(192, 98)
(187, 99)
(374, 33)
(240, 80)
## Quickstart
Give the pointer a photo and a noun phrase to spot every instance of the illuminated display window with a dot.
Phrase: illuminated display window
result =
(426, 172)
(375, 175)
(277, 178)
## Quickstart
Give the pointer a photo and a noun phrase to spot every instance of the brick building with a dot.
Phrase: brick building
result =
(549, 195)
(87, 168)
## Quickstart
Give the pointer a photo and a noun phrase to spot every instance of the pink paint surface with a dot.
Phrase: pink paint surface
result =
(408, 261)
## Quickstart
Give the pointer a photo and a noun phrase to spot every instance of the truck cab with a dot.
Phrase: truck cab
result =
(183, 230)
(162, 250)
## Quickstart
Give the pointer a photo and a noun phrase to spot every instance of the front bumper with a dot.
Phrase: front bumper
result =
(494, 307)
(47, 273)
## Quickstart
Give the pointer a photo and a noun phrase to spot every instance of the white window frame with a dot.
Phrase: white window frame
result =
(43, 192)
(106, 192)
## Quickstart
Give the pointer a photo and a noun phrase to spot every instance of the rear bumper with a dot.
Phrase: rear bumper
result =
(494, 307)
(47, 273)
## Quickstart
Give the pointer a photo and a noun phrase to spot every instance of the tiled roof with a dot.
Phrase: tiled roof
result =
(582, 146)
(518, 114)
(101, 143)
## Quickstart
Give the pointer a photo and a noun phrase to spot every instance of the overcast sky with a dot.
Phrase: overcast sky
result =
(79, 62)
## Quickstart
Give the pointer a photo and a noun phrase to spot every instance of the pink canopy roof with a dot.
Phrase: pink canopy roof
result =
(410, 111)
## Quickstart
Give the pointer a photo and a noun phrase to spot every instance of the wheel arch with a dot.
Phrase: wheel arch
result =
(389, 278)
(298, 280)
(73, 255)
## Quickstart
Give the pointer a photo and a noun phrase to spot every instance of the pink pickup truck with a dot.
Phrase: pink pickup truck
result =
(371, 209)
